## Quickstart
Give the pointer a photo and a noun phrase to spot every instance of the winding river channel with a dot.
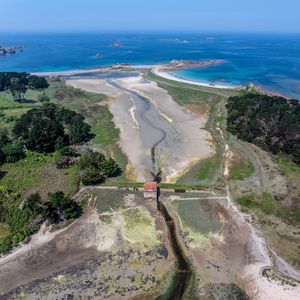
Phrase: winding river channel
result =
(155, 131)
(157, 135)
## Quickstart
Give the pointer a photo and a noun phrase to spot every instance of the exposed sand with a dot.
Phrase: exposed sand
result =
(185, 143)
(197, 141)
(157, 71)
(120, 107)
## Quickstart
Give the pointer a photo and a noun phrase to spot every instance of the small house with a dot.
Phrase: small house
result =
(150, 189)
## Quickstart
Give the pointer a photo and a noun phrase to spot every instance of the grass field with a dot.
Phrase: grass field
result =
(4, 230)
(11, 110)
(241, 167)
(109, 200)
(37, 172)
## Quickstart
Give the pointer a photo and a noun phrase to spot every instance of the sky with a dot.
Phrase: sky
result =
(150, 15)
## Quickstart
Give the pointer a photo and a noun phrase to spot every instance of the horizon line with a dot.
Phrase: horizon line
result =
(120, 31)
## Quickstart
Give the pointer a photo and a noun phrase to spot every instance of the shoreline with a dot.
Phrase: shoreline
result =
(156, 71)
(160, 70)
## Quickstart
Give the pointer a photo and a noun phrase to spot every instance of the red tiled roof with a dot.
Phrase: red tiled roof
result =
(150, 186)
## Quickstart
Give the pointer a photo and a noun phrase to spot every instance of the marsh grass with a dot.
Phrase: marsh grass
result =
(241, 167)
(266, 204)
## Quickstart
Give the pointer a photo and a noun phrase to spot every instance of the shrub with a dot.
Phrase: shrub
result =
(96, 168)
(91, 176)
(13, 152)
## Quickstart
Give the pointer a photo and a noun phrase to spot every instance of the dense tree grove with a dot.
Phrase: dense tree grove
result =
(49, 127)
(96, 168)
(18, 83)
(270, 122)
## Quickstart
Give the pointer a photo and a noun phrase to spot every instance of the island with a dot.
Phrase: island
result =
(10, 50)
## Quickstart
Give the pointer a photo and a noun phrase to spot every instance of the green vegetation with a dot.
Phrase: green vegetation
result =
(34, 149)
(240, 167)
(198, 215)
(59, 207)
(273, 123)
(49, 127)
(108, 200)
(96, 168)
(291, 170)
(267, 204)
(207, 168)
(19, 219)
(18, 83)
(92, 106)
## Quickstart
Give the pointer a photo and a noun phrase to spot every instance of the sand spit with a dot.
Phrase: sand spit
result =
(135, 103)
(159, 71)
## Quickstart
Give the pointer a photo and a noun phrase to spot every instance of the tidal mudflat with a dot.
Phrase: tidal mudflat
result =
(150, 120)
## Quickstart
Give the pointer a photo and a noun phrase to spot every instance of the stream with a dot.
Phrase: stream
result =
(154, 129)
(156, 133)
(183, 273)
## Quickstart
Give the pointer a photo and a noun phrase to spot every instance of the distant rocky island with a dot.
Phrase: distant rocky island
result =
(10, 50)
(185, 64)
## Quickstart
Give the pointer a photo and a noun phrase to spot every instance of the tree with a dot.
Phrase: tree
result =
(17, 89)
(271, 122)
(96, 168)
(92, 176)
(59, 206)
(45, 130)
(43, 98)
(37, 82)
(13, 152)
(33, 204)
(4, 140)
(18, 83)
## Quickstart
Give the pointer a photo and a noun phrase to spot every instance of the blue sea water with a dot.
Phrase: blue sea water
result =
(269, 60)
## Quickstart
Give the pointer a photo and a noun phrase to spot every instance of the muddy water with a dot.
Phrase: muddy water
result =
(183, 273)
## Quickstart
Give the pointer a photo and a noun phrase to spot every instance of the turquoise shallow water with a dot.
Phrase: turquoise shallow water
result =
(271, 61)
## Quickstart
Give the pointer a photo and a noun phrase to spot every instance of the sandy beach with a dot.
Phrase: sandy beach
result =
(157, 70)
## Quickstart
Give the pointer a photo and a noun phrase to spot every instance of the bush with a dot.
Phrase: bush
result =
(43, 98)
(96, 168)
(67, 151)
(59, 206)
(63, 162)
(13, 152)
(91, 176)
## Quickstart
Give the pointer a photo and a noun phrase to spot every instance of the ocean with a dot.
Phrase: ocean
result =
(271, 61)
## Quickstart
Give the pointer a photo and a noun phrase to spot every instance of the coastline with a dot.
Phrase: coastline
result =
(158, 72)
(161, 70)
